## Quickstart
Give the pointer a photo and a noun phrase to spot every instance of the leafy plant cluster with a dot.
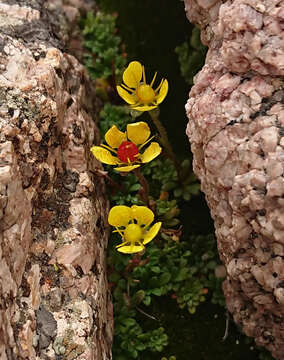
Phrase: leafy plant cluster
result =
(172, 265)
(130, 339)
(191, 56)
(104, 56)
(168, 268)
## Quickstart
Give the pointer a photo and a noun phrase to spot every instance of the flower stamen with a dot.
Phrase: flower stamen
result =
(109, 148)
(144, 76)
(154, 78)
(128, 88)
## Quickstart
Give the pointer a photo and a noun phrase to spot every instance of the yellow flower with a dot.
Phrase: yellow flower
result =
(137, 92)
(132, 223)
(126, 147)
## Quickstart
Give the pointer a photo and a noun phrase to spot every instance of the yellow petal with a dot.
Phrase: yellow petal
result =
(138, 132)
(142, 214)
(151, 233)
(114, 137)
(133, 74)
(152, 151)
(130, 249)
(163, 92)
(126, 168)
(119, 215)
(103, 155)
(143, 107)
(130, 99)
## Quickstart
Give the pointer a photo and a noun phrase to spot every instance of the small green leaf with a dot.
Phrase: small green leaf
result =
(135, 187)
(165, 278)
(157, 292)
(156, 269)
(147, 300)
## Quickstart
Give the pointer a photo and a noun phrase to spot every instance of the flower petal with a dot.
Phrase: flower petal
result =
(119, 215)
(163, 92)
(151, 233)
(142, 214)
(133, 74)
(103, 155)
(143, 107)
(138, 132)
(130, 99)
(130, 249)
(114, 137)
(152, 151)
(126, 168)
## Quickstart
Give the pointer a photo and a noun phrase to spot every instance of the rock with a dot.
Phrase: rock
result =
(53, 208)
(46, 327)
(236, 131)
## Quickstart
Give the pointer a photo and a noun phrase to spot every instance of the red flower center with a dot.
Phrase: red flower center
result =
(127, 152)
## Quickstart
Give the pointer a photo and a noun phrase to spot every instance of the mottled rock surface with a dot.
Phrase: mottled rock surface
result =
(236, 131)
(54, 299)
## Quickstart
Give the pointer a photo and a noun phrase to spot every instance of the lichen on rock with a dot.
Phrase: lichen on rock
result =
(54, 298)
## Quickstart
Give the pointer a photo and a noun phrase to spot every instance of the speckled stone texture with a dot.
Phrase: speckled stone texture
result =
(54, 299)
(236, 131)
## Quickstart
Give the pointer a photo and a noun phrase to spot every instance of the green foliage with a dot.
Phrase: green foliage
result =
(103, 45)
(191, 56)
(169, 267)
(163, 173)
(164, 177)
(130, 339)
(167, 210)
(113, 115)
(128, 193)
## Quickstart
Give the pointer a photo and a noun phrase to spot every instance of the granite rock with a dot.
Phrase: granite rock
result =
(54, 297)
(236, 132)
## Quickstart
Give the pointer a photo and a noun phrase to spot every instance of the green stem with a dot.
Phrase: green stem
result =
(164, 139)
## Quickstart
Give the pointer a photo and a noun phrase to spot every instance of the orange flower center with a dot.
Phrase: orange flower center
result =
(127, 152)
(145, 94)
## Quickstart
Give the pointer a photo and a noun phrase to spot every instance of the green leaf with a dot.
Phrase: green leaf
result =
(147, 300)
(165, 278)
(129, 322)
(182, 274)
(137, 297)
(177, 192)
(135, 187)
(157, 292)
(156, 269)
